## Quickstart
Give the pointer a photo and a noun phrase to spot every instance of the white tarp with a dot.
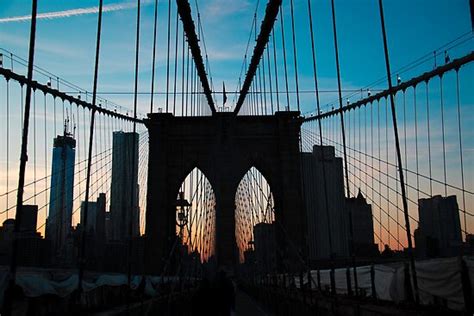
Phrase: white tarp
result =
(438, 280)
(38, 282)
(385, 278)
(470, 266)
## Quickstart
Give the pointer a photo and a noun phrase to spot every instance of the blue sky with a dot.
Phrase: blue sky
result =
(415, 28)
(66, 45)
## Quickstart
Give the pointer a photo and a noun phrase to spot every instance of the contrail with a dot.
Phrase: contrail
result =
(69, 13)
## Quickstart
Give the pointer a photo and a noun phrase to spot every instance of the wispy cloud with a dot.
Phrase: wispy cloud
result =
(222, 8)
(69, 13)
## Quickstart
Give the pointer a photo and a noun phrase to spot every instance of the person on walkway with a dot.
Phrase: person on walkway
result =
(203, 298)
(225, 295)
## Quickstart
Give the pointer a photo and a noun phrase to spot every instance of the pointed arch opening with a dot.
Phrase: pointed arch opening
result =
(255, 221)
(196, 216)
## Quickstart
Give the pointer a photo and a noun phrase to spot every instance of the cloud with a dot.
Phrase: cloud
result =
(224, 8)
(69, 13)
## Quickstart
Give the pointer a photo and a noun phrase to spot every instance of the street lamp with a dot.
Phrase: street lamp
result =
(182, 211)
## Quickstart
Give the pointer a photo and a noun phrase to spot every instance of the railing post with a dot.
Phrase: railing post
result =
(407, 283)
(466, 287)
(348, 279)
(372, 281)
(333, 281)
(310, 287)
(302, 287)
(319, 280)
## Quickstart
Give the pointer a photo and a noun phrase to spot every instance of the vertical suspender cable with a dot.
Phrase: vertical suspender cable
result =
(175, 62)
(405, 134)
(443, 136)
(182, 75)
(379, 179)
(34, 146)
(24, 150)
(282, 23)
(351, 235)
(264, 84)
(461, 165)
(276, 71)
(318, 111)
(154, 58)
(8, 142)
(429, 136)
(399, 157)
(416, 144)
(295, 55)
(258, 84)
(45, 154)
(187, 82)
(270, 78)
(89, 159)
(168, 56)
(133, 188)
(387, 170)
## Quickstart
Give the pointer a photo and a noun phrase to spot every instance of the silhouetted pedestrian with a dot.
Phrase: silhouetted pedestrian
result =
(225, 295)
(203, 299)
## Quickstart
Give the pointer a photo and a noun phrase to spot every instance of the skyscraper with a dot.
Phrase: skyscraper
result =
(319, 226)
(363, 226)
(124, 186)
(439, 227)
(95, 231)
(95, 217)
(59, 221)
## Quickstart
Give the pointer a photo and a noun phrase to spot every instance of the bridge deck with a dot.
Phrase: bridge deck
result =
(245, 305)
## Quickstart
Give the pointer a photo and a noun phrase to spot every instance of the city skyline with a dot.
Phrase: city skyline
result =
(306, 156)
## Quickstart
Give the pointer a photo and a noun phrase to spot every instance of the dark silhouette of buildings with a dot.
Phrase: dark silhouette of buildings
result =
(95, 217)
(95, 231)
(124, 186)
(265, 247)
(362, 225)
(33, 250)
(108, 226)
(439, 227)
(314, 195)
(59, 221)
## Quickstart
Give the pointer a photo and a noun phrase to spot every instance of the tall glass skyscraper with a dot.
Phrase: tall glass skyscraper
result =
(59, 221)
(124, 186)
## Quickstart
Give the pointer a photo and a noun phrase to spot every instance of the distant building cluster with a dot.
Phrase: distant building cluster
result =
(107, 233)
(329, 215)
(439, 227)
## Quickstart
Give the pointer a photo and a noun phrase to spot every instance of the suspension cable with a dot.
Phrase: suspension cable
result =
(175, 61)
(399, 157)
(154, 57)
(168, 56)
(24, 150)
(343, 134)
(295, 57)
(133, 185)
(82, 254)
(282, 24)
(318, 110)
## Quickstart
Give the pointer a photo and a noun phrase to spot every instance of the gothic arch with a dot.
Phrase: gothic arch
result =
(224, 147)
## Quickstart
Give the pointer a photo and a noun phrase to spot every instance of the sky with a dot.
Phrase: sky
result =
(65, 45)
(66, 32)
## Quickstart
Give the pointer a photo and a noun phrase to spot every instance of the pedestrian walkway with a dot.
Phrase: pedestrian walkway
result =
(246, 306)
